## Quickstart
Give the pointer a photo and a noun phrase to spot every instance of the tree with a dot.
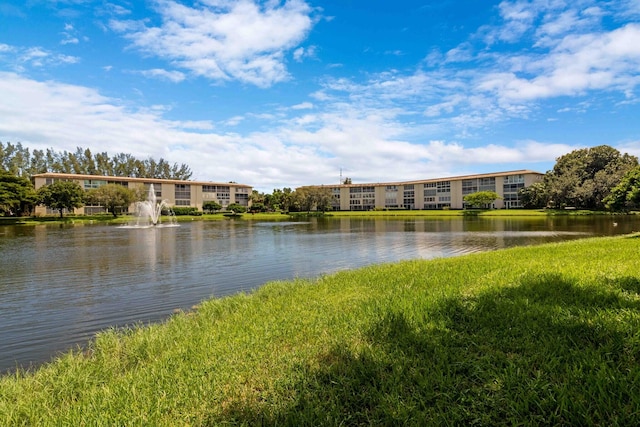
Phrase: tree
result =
(481, 198)
(115, 198)
(61, 195)
(235, 207)
(584, 178)
(17, 160)
(322, 198)
(626, 195)
(308, 198)
(534, 196)
(211, 206)
(17, 194)
(286, 198)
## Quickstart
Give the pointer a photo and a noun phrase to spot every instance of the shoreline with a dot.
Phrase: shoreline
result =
(408, 214)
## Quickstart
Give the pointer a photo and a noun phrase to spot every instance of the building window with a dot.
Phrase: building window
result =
(510, 189)
(92, 184)
(444, 186)
(157, 188)
(369, 203)
(469, 186)
(183, 194)
(96, 210)
(242, 199)
(335, 200)
(409, 197)
(514, 179)
(390, 196)
(487, 184)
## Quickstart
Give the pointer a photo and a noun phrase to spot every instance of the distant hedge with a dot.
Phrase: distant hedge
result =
(186, 210)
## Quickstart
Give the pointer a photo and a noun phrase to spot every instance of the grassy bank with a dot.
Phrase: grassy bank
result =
(537, 335)
(277, 216)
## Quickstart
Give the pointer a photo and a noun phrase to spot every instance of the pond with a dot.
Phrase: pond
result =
(60, 284)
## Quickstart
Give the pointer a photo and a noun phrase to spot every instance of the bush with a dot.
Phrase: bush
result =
(236, 208)
(185, 210)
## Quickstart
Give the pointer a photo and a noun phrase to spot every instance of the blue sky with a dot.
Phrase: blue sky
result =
(279, 93)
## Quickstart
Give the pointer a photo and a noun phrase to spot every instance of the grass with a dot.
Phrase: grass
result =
(277, 216)
(524, 336)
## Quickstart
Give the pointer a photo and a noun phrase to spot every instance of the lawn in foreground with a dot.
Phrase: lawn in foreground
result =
(537, 335)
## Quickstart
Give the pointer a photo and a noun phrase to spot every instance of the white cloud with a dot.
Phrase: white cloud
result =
(630, 147)
(460, 53)
(303, 106)
(69, 36)
(301, 53)
(606, 61)
(303, 150)
(298, 54)
(173, 76)
(116, 9)
(224, 40)
(36, 57)
(234, 121)
(70, 40)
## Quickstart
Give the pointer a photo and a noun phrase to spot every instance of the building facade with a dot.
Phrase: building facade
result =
(175, 192)
(440, 193)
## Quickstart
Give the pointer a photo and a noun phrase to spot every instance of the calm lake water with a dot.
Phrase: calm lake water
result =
(60, 284)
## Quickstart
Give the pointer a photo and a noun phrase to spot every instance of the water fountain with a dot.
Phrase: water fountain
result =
(149, 212)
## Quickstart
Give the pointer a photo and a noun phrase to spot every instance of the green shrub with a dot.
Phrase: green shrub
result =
(186, 210)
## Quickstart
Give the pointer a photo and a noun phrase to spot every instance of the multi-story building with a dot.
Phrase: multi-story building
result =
(439, 193)
(175, 192)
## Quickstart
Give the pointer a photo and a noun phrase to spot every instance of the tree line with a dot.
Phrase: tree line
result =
(23, 162)
(304, 199)
(593, 178)
(18, 164)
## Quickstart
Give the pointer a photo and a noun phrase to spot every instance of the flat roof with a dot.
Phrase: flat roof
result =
(133, 179)
(448, 178)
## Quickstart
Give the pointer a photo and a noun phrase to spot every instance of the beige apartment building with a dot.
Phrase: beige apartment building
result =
(175, 192)
(439, 193)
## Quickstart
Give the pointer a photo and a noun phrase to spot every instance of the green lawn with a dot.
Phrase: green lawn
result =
(277, 216)
(526, 336)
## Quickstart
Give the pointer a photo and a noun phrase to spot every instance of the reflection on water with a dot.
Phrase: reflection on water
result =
(60, 284)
